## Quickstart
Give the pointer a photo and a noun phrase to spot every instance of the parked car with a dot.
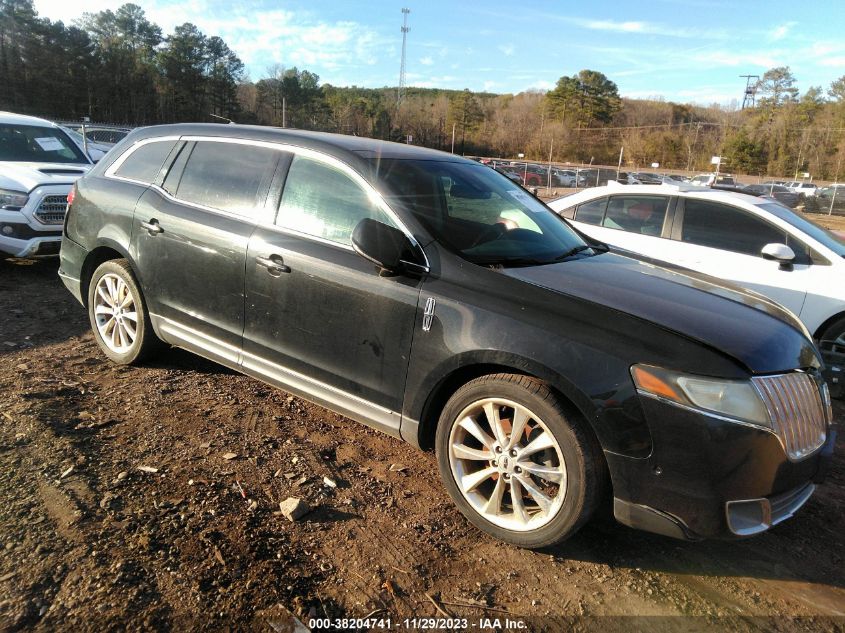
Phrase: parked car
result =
(806, 188)
(510, 174)
(644, 178)
(95, 150)
(38, 164)
(776, 192)
(707, 180)
(427, 296)
(828, 200)
(754, 242)
(103, 135)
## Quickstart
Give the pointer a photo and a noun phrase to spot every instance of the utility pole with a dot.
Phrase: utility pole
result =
(400, 91)
(453, 137)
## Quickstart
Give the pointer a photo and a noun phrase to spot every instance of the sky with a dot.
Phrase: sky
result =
(689, 51)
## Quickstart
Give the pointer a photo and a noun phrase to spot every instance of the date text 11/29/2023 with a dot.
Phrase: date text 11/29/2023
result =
(425, 623)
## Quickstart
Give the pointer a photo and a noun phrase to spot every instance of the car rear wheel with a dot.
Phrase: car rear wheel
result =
(517, 462)
(119, 315)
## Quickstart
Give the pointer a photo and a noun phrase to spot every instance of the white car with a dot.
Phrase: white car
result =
(807, 188)
(754, 242)
(96, 150)
(38, 165)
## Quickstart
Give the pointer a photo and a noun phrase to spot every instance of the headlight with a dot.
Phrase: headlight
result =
(731, 398)
(12, 200)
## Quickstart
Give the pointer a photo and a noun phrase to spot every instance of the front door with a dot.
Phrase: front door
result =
(320, 319)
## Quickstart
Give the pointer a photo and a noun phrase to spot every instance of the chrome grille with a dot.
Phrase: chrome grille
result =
(797, 409)
(52, 210)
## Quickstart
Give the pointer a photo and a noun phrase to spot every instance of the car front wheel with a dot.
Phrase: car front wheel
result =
(119, 315)
(517, 462)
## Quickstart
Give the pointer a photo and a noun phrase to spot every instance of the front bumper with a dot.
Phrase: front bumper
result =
(708, 477)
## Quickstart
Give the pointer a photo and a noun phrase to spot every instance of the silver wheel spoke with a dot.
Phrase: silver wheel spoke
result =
(472, 481)
(520, 419)
(471, 427)
(495, 422)
(494, 504)
(462, 451)
(549, 473)
(542, 500)
(540, 443)
(102, 309)
(103, 292)
(130, 331)
(132, 316)
(517, 502)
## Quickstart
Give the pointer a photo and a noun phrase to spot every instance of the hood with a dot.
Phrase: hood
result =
(28, 176)
(755, 331)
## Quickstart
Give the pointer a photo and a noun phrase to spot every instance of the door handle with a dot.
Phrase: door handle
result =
(274, 264)
(153, 227)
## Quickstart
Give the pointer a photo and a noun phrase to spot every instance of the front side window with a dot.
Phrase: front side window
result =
(38, 144)
(728, 228)
(477, 213)
(145, 162)
(227, 176)
(325, 202)
(591, 212)
(637, 214)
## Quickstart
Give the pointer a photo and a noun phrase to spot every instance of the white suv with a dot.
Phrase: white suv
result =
(38, 165)
(754, 242)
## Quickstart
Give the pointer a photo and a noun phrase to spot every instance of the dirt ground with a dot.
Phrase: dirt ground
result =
(91, 542)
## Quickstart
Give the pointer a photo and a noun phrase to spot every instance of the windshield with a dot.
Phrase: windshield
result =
(818, 233)
(38, 144)
(478, 213)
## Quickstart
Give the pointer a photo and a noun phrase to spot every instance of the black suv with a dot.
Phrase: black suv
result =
(428, 296)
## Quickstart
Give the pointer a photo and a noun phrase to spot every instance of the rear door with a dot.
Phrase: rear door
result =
(190, 239)
(320, 319)
(725, 241)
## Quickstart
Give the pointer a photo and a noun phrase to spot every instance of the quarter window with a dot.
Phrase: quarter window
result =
(727, 228)
(145, 163)
(227, 176)
(637, 214)
(325, 202)
(591, 212)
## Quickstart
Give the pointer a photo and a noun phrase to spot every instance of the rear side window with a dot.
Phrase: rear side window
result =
(637, 214)
(323, 201)
(145, 163)
(727, 228)
(227, 176)
(591, 212)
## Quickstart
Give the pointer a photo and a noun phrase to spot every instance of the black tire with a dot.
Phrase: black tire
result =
(145, 342)
(833, 331)
(586, 472)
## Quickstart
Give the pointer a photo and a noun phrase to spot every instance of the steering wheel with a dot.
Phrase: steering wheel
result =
(491, 234)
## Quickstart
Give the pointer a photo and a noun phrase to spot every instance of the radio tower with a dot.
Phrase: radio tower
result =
(400, 91)
(748, 100)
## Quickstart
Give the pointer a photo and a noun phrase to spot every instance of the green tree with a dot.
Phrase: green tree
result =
(777, 87)
(587, 97)
(743, 155)
(465, 114)
(837, 90)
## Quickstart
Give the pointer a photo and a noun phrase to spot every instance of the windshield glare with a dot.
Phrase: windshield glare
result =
(37, 144)
(478, 213)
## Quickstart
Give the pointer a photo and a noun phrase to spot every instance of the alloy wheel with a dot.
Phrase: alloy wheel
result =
(115, 313)
(507, 464)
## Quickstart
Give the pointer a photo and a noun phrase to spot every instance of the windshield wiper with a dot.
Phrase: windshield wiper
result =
(571, 252)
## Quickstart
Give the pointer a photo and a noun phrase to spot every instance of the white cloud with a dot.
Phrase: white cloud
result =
(644, 28)
(778, 33)
(507, 49)
(833, 62)
(725, 58)
(542, 85)
(490, 86)
(427, 61)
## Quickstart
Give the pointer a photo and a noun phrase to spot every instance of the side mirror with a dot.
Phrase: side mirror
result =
(383, 245)
(779, 253)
